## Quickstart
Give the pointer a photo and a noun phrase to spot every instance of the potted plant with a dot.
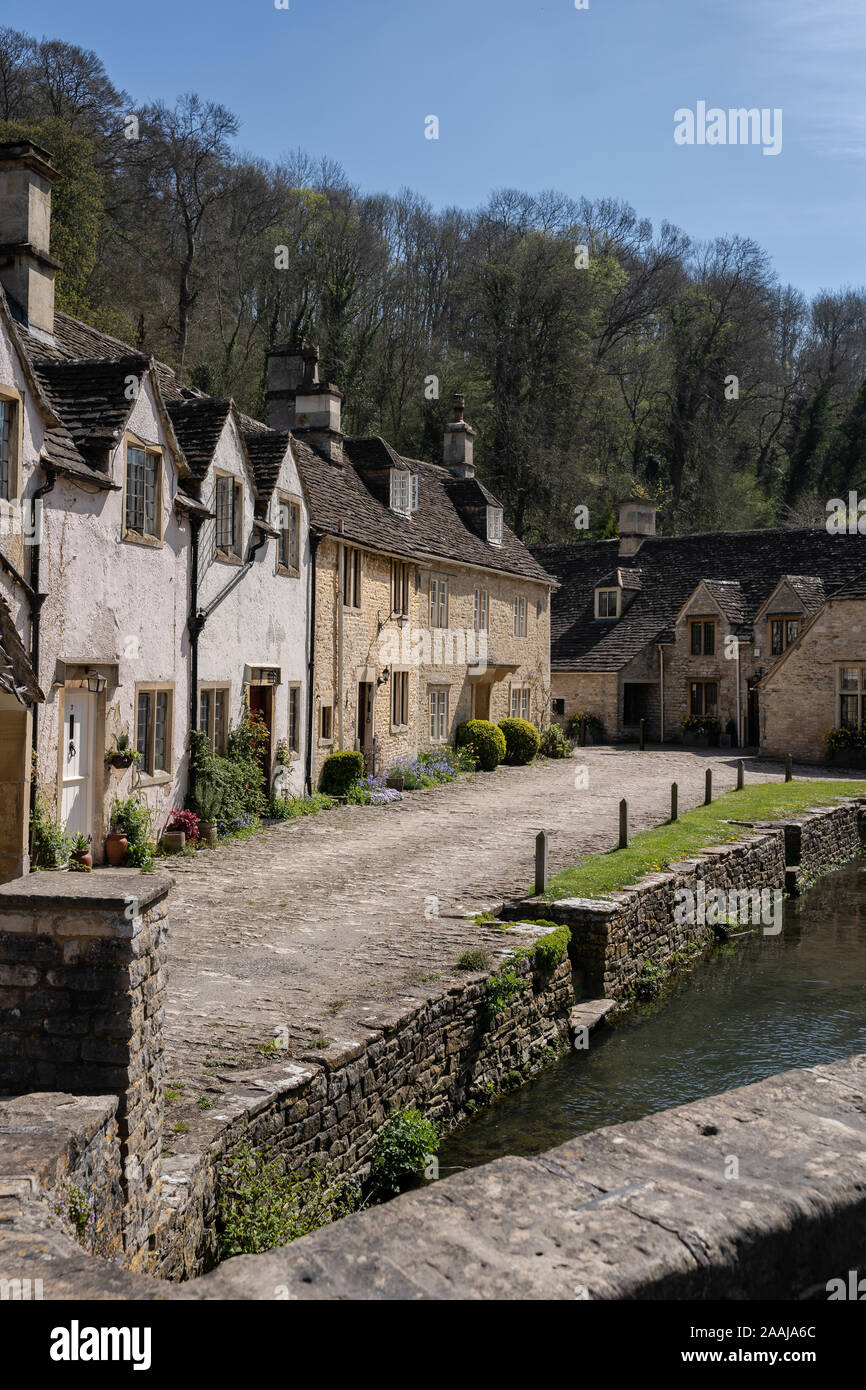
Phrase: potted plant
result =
(80, 857)
(183, 826)
(209, 800)
(122, 754)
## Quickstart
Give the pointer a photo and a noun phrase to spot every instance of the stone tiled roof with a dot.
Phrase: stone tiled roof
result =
(743, 566)
(198, 423)
(809, 589)
(16, 674)
(84, 376)
(339, 493)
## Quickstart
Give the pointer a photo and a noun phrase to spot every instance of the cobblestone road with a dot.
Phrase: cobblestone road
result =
(318, 926)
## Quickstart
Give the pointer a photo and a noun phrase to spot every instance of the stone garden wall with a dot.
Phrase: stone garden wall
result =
(434, 1056)
(615, 939)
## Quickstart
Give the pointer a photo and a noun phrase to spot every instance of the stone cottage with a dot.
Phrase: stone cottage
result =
(661, 628)
(152, 545)
(427, 610)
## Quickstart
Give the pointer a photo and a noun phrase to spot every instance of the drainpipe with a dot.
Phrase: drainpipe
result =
(315, 541)
(195, 623)
(662, 691)
(36, 601)
(341, 570)
(739, 710)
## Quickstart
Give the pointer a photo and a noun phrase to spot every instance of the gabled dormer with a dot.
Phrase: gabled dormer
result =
(614, 592)
(403, 491)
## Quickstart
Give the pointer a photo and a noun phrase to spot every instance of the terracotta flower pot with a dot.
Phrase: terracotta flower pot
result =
(116, 845)
(83, 857)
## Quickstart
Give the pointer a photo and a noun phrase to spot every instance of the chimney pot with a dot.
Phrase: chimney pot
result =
(458, 444)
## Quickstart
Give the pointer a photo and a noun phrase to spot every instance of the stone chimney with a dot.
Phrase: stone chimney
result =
(27, 270)
(637, 519)
(457, 452)
(299, 402)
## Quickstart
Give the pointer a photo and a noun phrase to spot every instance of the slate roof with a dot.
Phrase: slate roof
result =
(198, 423)
(338, 493)
(743, 568)
(83, 375)
(16, 674)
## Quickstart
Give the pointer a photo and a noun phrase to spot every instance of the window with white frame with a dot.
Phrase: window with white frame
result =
(494, 525)
(482, 608)
(404, 491)
(520, 702)
(438, 602)
(290, 536)
(153, 728)
(519, 615)
(607, 603)
(351, 577)
(229, 506)
(400, 588)
(399, 699)
(213, 712)
(850, 696)
(437, 699)
(143, 500)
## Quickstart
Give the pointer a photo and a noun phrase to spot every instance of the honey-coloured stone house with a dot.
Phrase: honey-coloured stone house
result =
(427, 610)
(658, 628)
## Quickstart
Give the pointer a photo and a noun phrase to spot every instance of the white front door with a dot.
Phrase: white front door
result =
(77, 743)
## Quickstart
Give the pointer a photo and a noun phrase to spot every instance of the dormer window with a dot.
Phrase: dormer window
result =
(607, 603)
(494, 525)
(404, 491)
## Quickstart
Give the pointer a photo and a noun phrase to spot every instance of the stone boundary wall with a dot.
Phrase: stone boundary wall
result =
(60, 1146)
(82, 983)
(434, 1056)
(614, 938)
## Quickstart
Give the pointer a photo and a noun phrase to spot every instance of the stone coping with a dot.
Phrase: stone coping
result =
(111, 889)
(36, 1131)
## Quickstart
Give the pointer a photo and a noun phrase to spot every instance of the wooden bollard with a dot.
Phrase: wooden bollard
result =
(642, 736)
(541, 862)
(623, 824)
(674, 793)
(741, 775)
(788, 773)
(708, 787)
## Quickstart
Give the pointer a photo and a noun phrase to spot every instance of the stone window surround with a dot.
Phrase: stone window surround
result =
(703, 713)
(220, 554)
(702, 622)
(293, 744)
(439, 583)
(401, 588)
(12, 396)
(520, 609)
(351, 580)
(437, 693)
(216, 686)
(523, 701)
(482, 610)
(326, 705)
(129, 536)
(606, 617)
(160, 776)
(396, 685)
(785, 619)
(858, 694)
(292, 502)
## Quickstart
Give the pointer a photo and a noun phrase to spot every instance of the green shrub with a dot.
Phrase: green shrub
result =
(502, 989)
(403, 1146)
(552, 949)
(293, 807)
(49, 845)
(340, 771)
(262, 1205)
(473, 960)
(648, 984)
(132, 818)
(485, 741)
(230, 790)
(554, 744)
(521, 741)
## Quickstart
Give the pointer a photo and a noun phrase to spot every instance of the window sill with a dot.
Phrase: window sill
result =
(287, 572)
(139, 538)
(155, 779)
(227, 557)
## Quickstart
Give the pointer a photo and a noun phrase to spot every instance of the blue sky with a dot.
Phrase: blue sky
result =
(530, 94)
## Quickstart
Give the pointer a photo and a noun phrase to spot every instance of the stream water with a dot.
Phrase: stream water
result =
(754, 1007)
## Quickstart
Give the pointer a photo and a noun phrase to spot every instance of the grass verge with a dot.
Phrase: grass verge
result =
(652, 850)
